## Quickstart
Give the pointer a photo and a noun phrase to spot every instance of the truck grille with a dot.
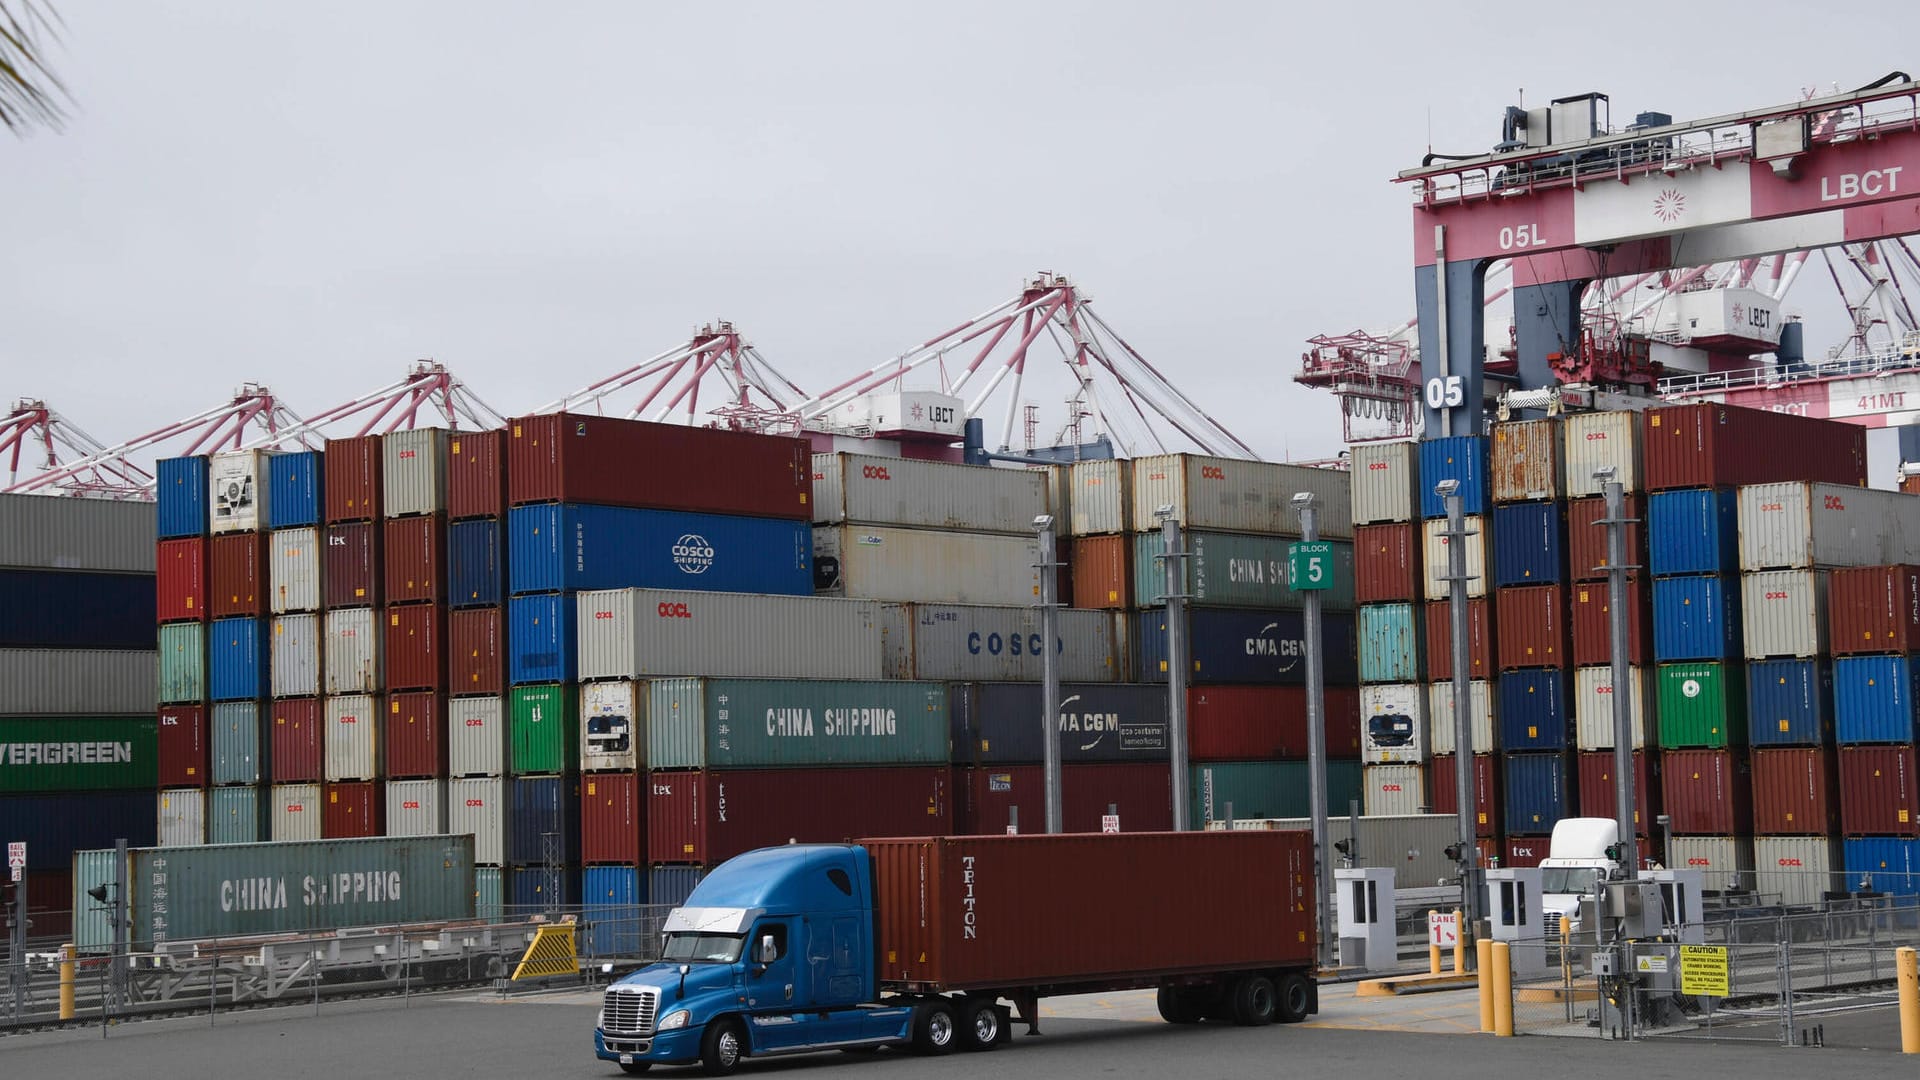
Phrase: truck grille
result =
(629, 1010)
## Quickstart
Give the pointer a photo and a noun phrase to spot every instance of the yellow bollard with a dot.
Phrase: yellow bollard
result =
(1907, 962)
(1566, 951)
(1433, 951)
(66, 982)
(1483, 958)
(1459, 943)
(1502, 960)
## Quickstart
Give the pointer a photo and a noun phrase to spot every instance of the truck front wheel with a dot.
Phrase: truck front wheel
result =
(934, 1029)
(982, 1025)
(1296, 998)
(723, 1046)
(1253, 1001)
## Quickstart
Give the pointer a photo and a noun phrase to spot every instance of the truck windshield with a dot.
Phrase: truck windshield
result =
(1575, 880)
(713, 948)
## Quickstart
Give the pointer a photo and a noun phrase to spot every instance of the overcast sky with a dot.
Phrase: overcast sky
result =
(537, 195)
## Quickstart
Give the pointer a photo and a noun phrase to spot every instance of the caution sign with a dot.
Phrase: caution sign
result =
(1703, 970)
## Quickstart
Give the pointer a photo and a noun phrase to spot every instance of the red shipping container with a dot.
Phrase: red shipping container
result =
(415, 555)
(180, 580)
(1386, 563)
(416, 736)
(183, 746)
(1712, 445)
(352, 570)
(1486, 791)
(1596, 788)
(352, 472)
(416, 655)
(1533, 626)
(299, 752)
(1440, 641)
(1101, 576)
(1587, 540)
(1874, 609)
(348, 811)
(1267, 723)
(49, 902)
(571, 457)
(1593, 623)
(474, 652)
(708, 817)
(987, 796)
(237, 575)
(476, 475)
(1525, 851)
(1793, 792)
(1707, 792)
(1878, 793)
(613, 819)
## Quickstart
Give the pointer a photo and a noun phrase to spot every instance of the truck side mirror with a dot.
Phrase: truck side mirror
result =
(768, 951)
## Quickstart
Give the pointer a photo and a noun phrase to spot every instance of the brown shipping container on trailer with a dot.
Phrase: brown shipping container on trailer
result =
(613, 821)
(1874, 609)
(706, 818)
(1533, 627)
(296, 732)
(1593, 625)
(1878, 792)
(1712, 445)
(353, 810)
(352, 478)
(476, 475)
(237, 575)
(1587, 540)
(180, 580)
(474, 653)
(415, 559)
(416, 653)
(1440, 640)
(1267, 723)
(1793, 792)
(568, 457)
(353, 565)
(184, 747)
(1048, 916)
(1386, 563)
(1596, 787)
(1486, 791)
(1707, 792)
(1101, 578)
(985, 797)
(415, 731)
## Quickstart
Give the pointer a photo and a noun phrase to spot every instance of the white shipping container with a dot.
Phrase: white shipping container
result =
(1099, 504)
(613, 726)
(1394, 789)
(1797, 869)
(416, 807)
(101, 682)
(182, 818)
(293, 570)
(296, 812)
(1479, 717)
(413, 472)
(76, 534)
(640, 633)
(1385, 482)
(477, 806)
(352, 738)
(978, 643)
(476, 736)
(1239, 496)
(924, 566)
(1434, 556)
(1783, 613)
(1593, 707)
(1719, 858)
(352, 651)
(863, 490)
(237, 490)
(1596, 440)
(1798, 526)
(1393, 724)
(293, 656)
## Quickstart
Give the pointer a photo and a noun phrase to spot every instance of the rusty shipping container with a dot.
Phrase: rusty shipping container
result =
(1793, 792)
(237, 575)
(1526, 461)
(352, 477)
(613, 821)
(1386, 563)
(1440, 640)
(1879, 793)
(1268, 723)
(1713, 445)
(352, 565)
(1593, 623)
(1707, 792)
(296, 733)
(476, 475)
(705, 818)
(415, 551)
(475, 652)
(1486, 790)
(180, 580)
(415, 732)
(940, 926)
(351, 811)
(567, 457)
(1874, 609)
(988, 799)
(1533, 627)
(1587, 539)
(1102, 576)
(416, 647)
(1596, 787)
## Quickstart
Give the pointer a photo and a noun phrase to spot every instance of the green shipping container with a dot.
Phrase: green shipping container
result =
(183, 663)
(1266, 789)
(48, 755)
(545, 721)
(1702, 705)
(784, 723)
(488, 903)
(1236, 570)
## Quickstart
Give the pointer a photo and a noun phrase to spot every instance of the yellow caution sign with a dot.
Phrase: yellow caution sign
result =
(1703, 970)
(551, 952)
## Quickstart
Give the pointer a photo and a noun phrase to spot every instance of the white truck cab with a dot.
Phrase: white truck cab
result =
(1575, 865)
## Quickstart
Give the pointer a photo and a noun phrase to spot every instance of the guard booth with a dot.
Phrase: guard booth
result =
(1680, 904)
(1364, 914)
(1515, 915)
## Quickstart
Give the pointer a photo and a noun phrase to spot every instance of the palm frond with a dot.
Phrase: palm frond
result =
(30, 93)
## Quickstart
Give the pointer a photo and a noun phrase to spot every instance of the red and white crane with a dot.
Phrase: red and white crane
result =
(668, 384)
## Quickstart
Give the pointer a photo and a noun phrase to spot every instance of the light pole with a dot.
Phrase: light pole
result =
(1623, 696)
(1457, 579)
(1173, 559)
(1049, 670)
(1307, 505)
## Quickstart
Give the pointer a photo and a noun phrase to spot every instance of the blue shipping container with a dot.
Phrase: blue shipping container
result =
(180, 496)
(1696, 618)
(541, 805)
(1534, 714)
(1539, 792)
(673, 884)
(1390, 640)
(554, 547)
(611, 899)
(536, 892)
(55, 826)
(237, 659)
(237, 746)
(1874, 699)
(1529, 544)
(476, 563)
(1239, 646)
(541, 644)
(1787, 702)
(1889, 864)
(295, 493)
(1462, 458)
(74, 609)
(237, 815)
(1693, 531)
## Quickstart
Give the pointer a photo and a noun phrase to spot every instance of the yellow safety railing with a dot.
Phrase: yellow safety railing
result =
(551, 952)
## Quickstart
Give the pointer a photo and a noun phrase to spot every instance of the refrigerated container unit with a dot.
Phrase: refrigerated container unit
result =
(1387, 562)
(414, 569)
(1587, 552)
(1696, 618)
(1793, 792)
(1801, 871)
(1801, 526)
(180, 580)
(1596, 787)
(1878, 791)
(1714, 445)
(1102, 497)
(613, 726)
(1434, 558)
(1701, 705)
(351, 472)
(1593, 698)
(1266, 723)
(476, 651)
(1483, 732)
(237, 491)
(294, 563)
(1389, 638)
(613, 823)
(1787, 702)
(1600, 440)
(294, 812)
(183, 748)
(476, 475)
(1227, 569)
(237, 659)
(1388, 789)
(351, 652)
(1439, 637)
(575, 458)
(643, 633)
(476, 736)
(1529, 546)
(1693, 531)
(567, 547)
(353, 810)
(975, 643)
(1539, 790)
(1534, 711)
(1385, 478)
(352, 742)
(181, 486)
(997, 723)
(413, 472)
(867, 490)
(296, 492)
(1441, 784)
(1707, 792)
(416, 807)
(1393, 724)
(237, 575)
(297, 736)
(1235, 645)
(351, 575)
(1103, 576)
(1784, 613)
(1533, 627)
(1272, 789)
(1874, 700)
(1461, 458)
(1592, 622)
(414, 734)
(1874, 609)
(239, 753)
(542, 638)
(1236, 495)
(544, 729)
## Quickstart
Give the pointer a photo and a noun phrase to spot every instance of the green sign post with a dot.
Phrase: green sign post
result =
(1309, 565)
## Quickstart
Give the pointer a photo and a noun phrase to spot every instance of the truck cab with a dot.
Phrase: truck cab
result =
(1576, 863)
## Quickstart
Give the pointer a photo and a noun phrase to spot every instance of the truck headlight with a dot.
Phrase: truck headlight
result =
(674, 1020)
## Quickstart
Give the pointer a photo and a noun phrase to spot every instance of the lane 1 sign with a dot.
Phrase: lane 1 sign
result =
(1443, 929)
(1309, 565)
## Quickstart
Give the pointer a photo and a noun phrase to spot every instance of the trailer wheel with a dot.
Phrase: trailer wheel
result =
(983, 1026)
(934, 1029)
(1295, 996)
(1177, 1006)
(723, 1047)
(1253, 1001)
